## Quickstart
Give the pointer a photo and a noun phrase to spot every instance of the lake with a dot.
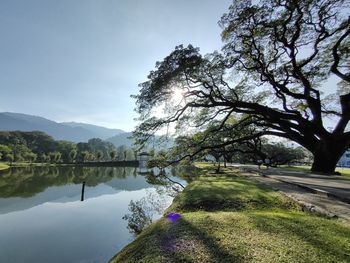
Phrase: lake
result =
(42, 217)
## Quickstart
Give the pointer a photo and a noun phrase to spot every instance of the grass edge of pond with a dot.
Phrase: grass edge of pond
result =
(239, 230)
(3, 166)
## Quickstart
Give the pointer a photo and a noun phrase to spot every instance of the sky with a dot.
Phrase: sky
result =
(81, 60)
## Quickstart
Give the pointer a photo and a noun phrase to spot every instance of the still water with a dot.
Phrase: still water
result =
(42, 217)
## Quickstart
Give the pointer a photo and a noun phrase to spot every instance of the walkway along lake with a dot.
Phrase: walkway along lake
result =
(42, 217)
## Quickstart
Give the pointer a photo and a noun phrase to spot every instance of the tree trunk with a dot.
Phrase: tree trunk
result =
(326, 156)
(218, 169)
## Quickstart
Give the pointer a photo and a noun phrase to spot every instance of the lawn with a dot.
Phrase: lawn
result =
(345, 172)
(229, 218)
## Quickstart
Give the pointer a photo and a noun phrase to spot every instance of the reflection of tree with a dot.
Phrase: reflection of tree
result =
(139, 217)
(155, 179)
(28, 181)
(142, 211)
(186, 172)
(160, 177)
(121, 172)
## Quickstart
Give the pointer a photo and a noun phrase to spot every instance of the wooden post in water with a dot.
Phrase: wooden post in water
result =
(82, 192)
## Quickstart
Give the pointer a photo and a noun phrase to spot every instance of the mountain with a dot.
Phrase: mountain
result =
(76, 132)
(158, 143)
(102, 132)
(73, 131)
(121, 139)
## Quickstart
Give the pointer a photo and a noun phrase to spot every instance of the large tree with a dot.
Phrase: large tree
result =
(277, 57)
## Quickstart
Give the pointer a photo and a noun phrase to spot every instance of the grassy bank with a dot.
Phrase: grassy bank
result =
(229, 218)
(3, 166)
(25, 164)
(94, 164)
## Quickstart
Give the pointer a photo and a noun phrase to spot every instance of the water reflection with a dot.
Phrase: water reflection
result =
(142, 212)
(23, 188)
(41, 213)
(28, 181)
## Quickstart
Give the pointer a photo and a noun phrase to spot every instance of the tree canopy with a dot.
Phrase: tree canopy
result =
(38, 146)
(270, 75)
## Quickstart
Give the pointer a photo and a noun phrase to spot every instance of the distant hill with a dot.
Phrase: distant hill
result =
(121, 139)
(102, 132)
(72, 131)
(157, 143)
(76, 132)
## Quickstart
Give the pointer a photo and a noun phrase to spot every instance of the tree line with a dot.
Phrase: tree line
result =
(255, 150)
(36, 146)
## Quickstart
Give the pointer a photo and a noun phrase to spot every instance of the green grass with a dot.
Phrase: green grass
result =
(23, 164)
(261, 236)
(232, 219)
(26, 164)
(3, 166)
(345, 172)
(204, 165)
(228, 193)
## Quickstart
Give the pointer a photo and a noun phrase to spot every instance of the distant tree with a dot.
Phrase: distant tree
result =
(55, 157)
(91, 156)
(9, 157)
(125, 154)
(12, 138)
(278, 154)
(4, 150)
(84, 155)
(20, 152)
(135, 152)
(120, 152)
(72, 155)
(104, 147)
(217, 140)
(229, 153)
(66, 148)
(112, 154)
(45, 158)
(99, 155)
(31, 157)
(82, 147)
(39, 142)
(58, 157)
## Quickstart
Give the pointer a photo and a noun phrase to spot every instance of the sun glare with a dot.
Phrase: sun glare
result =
(177, 95)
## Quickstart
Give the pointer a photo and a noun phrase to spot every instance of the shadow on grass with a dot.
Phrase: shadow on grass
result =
(324, 235)
(185, 242)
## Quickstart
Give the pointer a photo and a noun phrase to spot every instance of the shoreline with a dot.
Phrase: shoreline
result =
(5, 166)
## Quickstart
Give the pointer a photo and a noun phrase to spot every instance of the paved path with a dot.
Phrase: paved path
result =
(320, 184)
(313, 202)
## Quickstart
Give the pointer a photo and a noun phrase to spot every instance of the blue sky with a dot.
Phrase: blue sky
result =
(81, 60)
